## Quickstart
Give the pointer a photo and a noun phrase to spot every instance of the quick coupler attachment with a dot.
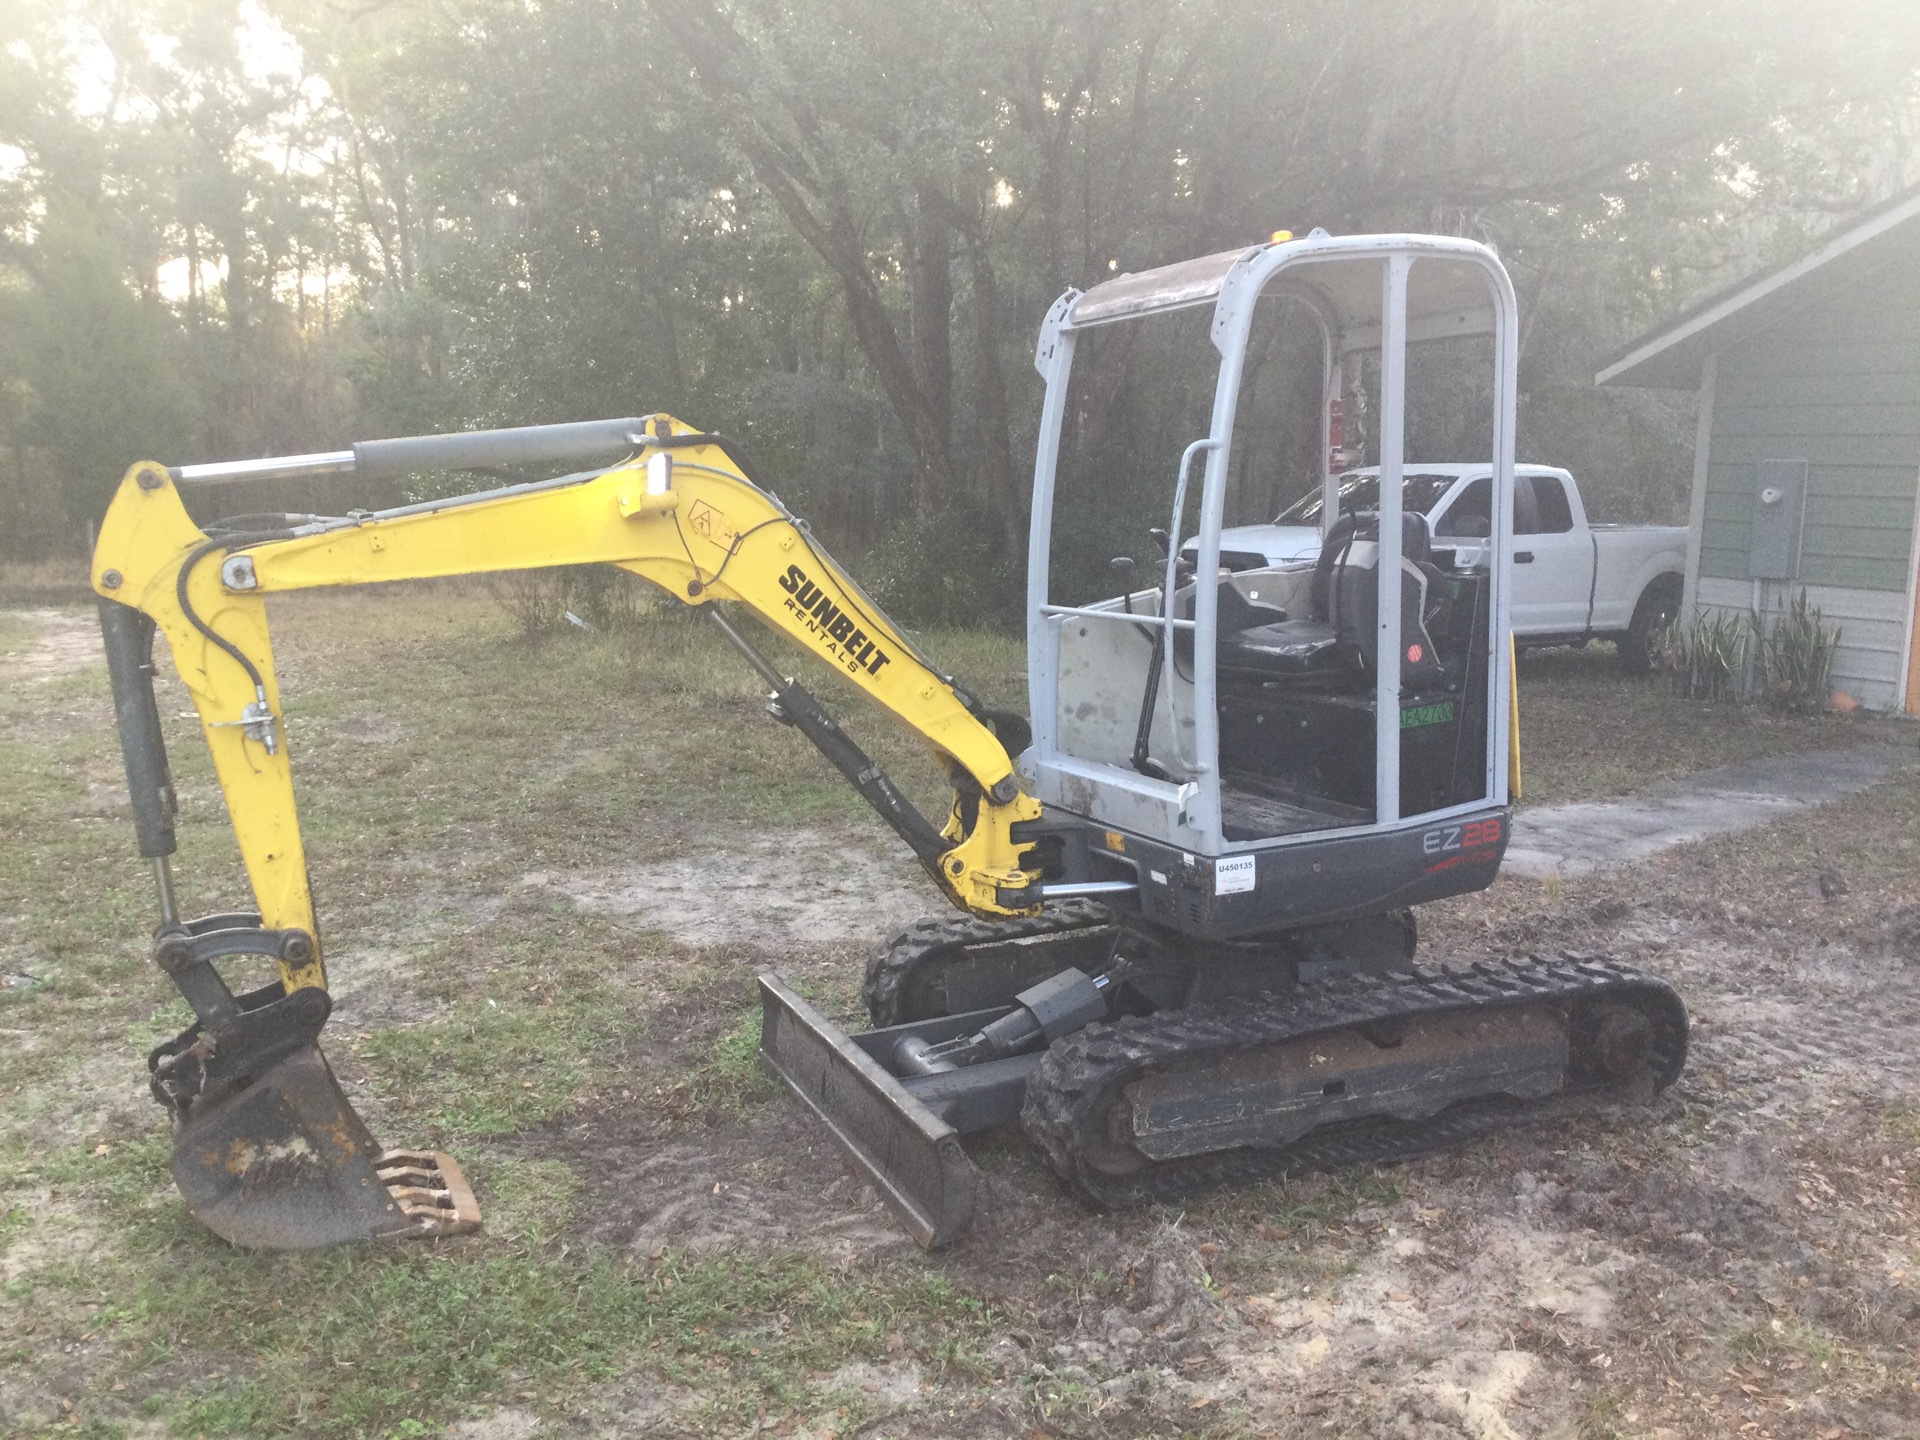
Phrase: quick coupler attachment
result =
(266, 1150)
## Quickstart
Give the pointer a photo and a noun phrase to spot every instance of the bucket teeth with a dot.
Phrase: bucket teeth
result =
(431, 1189)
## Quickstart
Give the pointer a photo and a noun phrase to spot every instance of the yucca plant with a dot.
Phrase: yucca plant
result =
(1794, 656)
(1707, 655)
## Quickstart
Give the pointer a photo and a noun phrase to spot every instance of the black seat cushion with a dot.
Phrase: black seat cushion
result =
(1338, 636)
(1287, 647)
(1234, 614)
(1237, 613)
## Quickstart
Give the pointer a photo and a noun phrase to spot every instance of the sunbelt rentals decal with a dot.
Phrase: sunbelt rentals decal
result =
(843, 639)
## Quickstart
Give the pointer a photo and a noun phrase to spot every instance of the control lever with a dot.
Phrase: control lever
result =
(1122, 567)
(1164, 542)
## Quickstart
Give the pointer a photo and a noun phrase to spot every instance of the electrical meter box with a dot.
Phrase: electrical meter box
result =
(1779, 513)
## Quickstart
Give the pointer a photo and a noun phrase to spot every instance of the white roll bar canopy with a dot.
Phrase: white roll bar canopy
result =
(1366, 293)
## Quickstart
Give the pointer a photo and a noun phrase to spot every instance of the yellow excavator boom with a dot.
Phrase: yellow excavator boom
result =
(680, 513)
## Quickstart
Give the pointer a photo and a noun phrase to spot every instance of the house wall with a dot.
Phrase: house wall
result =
(1836, 385)
(1839, 387)
(1873, 631)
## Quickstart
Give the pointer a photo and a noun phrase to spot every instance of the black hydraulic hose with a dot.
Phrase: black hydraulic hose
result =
(228, 525)
(194, 557)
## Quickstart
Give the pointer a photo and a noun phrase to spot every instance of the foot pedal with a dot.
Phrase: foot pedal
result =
(431, 1190)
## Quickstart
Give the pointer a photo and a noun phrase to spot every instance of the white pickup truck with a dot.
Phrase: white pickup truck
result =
(1572, 581)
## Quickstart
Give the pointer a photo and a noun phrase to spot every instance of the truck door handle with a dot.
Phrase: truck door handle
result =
(1523, 557)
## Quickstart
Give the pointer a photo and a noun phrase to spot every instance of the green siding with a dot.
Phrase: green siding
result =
(1839, 387)
(1812, 356)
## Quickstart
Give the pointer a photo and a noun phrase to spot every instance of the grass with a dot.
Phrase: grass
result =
(440, 757)
(45, 582)
(727, 1081)
(425, 793)
(358, 1341)
(1586, 731)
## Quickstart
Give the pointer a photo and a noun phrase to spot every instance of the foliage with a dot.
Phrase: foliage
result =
(1794, 656)
(1784, 660)
(1708, 655)
(831, 229)
(597, 597)
(944, 570)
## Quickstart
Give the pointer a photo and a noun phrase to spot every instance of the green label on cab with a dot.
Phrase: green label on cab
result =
(1414, 716)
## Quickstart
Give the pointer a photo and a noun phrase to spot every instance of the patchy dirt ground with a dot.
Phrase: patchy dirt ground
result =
(61, 642)
(776, 892)
(1740, 1258)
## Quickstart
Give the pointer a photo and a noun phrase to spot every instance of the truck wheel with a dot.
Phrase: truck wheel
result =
(1656, 611)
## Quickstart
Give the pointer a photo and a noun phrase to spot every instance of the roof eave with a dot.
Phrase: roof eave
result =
(1671, 357)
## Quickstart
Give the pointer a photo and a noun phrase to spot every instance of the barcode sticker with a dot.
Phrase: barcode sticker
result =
(1233, 876)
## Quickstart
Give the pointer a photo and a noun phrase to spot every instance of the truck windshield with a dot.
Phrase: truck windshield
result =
(1362, 492)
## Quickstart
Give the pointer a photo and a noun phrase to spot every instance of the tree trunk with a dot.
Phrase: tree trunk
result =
(799, 171)
(837, 241)
(930, 300)
(1000, 486)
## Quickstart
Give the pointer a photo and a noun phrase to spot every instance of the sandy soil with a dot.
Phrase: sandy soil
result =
(775, 893)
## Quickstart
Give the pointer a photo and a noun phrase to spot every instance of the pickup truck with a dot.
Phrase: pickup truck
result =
(1572, 581)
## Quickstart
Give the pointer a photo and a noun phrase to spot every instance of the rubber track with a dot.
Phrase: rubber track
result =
(888, 972)
(1069, 1092)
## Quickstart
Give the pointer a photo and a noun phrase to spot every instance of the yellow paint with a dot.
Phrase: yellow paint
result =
(741, 547)
(1513, 719)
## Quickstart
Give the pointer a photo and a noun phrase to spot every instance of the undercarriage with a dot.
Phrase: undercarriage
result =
(1186, 1067)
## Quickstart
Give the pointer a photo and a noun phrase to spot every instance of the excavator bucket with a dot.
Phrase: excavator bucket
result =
(286, 1164)
(909, 1154)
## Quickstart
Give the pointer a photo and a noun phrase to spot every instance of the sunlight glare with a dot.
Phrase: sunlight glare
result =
(172, 278)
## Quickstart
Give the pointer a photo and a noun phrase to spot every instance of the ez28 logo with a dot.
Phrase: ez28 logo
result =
(1470, 836)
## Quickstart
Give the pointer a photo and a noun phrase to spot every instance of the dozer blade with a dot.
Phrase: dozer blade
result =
(286, 1164)
(910, 1155)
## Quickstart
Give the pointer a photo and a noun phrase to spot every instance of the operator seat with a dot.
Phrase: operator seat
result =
(1233, 614)
(1337, 638)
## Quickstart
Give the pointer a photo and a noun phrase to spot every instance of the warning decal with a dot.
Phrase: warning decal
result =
(704, 520)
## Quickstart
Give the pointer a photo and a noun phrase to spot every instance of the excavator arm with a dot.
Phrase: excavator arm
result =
(252, 1099)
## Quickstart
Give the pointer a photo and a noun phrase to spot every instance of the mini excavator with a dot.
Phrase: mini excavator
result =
(1186, 952)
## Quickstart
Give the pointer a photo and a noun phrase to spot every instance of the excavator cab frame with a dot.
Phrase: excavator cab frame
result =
(1176, 799)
